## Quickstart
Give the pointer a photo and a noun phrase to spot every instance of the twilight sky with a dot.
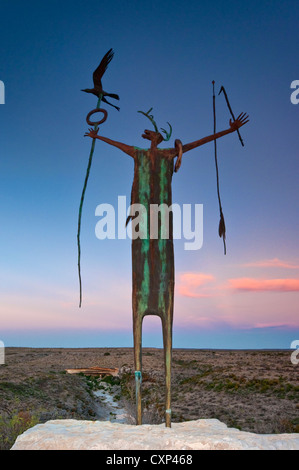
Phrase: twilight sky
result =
(166, 56)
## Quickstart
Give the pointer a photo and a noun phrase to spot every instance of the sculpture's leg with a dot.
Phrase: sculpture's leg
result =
(137, 328)
(167, 342)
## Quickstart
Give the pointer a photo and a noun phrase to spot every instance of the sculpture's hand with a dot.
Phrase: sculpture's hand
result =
(92, 133)
(239, 122)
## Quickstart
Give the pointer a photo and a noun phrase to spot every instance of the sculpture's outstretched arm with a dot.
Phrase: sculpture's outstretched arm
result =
(128, 149)
(234, 125)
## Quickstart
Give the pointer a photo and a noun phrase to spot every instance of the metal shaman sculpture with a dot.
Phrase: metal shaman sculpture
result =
(153, 258)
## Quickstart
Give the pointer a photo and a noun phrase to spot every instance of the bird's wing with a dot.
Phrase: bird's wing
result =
(99, 72)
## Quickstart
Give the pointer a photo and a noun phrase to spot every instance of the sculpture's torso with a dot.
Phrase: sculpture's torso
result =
(153, 259)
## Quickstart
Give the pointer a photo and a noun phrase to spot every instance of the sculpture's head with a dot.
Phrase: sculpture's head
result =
(154, 136)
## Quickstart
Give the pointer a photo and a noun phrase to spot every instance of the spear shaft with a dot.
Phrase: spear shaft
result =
(221, 229)
(81, 204)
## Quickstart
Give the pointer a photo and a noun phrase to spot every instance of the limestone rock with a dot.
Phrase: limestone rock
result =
(203, 434)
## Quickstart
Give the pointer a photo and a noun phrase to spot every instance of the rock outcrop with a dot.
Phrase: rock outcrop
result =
(203, 434)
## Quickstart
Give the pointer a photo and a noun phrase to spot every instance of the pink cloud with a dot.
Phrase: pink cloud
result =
(269, 324)
(276, 285)
(272, 263)
(193, 284)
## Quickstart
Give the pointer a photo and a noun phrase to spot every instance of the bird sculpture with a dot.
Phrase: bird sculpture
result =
(97, 80)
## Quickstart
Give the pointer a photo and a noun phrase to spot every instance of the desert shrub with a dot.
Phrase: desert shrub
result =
(127, 385)
(13, 425)
(109, 379)
(286, 425)
(92, 383)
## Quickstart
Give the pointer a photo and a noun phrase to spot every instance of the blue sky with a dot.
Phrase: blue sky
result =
(166, 56)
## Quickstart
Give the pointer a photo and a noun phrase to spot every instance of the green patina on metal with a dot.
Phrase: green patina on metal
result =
(162, 242)
(143, 198)
(143, 178)
(144, 292)
(153, 178)
(163, 264)
(152, 258)
(150, 117)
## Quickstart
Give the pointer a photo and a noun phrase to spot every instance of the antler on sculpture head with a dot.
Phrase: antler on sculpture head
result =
(151, 118)
(167, 134)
